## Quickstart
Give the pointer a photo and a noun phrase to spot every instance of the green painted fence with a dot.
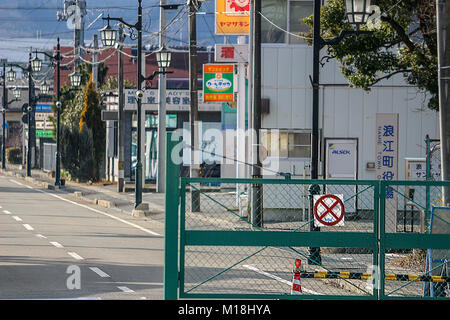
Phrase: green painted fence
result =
(240, 248)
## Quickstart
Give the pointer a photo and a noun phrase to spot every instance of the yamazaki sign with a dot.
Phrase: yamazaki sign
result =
(232, 17)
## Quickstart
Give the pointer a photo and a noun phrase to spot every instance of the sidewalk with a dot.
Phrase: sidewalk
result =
(102, 195)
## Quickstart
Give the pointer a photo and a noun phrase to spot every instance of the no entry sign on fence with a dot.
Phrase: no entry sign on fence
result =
(329, 210)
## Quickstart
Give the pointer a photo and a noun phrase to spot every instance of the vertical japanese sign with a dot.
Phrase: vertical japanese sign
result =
(218, 82)
(232, 17)
(387, 162)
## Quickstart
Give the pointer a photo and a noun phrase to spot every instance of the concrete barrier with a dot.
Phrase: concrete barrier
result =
(78, 194)
(105, 203)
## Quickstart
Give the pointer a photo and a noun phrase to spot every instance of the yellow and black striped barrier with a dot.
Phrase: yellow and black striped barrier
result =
(368, 276)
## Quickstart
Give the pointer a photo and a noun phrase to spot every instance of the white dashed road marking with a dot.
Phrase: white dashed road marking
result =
(126, 289)
(28, 227)
(99, 272)
(56, 244)
(75, 256)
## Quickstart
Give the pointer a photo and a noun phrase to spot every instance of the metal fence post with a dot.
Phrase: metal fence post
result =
(314, 253)
(381, 238)
(171, 222)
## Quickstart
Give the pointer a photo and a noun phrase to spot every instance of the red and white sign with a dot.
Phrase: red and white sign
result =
(231, 53)
(328, 210)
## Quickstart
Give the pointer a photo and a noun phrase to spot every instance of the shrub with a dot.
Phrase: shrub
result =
(14, 155)
(70, 150)
(86, 155)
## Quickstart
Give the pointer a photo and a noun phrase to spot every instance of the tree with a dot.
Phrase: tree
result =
(405, 43)
(91, 118)
(70, 152)
(112, 84)
(88, 165)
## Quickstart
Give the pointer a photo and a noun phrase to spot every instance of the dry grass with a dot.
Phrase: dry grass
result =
(414, 260)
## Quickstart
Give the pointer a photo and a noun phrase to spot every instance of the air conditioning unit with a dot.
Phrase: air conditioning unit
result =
(265, 106)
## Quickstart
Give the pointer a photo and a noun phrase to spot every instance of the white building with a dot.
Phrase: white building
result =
(344, 112)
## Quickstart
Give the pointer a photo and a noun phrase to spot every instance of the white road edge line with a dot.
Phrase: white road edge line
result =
(103, 213)
(16, 182)
(99, 272)
(17, 218)
(278, 278)
(57, 244)
(75, 256)
(126, 289)
(28, 227)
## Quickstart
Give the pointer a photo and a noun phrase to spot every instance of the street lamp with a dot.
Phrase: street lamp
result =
(45, 88)
(16, 93)
(109, 38)
(163, 58)
(108, 35)
(75, 79)
(357, 12)
(11, 75)
(36, 64)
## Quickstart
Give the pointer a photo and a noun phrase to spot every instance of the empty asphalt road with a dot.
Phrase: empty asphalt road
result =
(53, 246)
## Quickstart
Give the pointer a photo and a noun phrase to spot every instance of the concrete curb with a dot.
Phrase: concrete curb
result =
(105, 203)
(100, 202)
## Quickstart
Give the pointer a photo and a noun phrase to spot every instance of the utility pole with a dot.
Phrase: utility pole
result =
(4, 103)
(58, 120)
(138, 175)
(120, 183)
(256, 196)
(31, 127)
(94, 62)
(443, 35)
(240, 124)
(314, 252)
(161, 151)
(74, 12)
(79, 30)
(194, 5)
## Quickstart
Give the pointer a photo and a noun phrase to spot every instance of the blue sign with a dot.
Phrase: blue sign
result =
(43, 108)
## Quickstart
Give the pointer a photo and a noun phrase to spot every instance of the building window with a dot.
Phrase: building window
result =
(286, 144)
(284, 15)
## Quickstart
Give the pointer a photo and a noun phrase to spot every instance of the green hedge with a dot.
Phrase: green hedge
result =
(14, 155)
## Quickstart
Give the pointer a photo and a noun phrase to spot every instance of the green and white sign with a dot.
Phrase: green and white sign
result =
(218, 82)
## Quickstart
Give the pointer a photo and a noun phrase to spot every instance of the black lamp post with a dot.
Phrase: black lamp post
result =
(37, 63)
(357, 12)
(5, 102)
(11, 75)
(108, 36)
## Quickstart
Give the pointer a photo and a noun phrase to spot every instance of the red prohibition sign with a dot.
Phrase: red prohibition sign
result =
(329, 209)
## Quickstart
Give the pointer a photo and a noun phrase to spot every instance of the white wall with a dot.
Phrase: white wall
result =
(344, 112)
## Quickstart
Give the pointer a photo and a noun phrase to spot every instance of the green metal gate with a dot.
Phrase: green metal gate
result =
(223, 245)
